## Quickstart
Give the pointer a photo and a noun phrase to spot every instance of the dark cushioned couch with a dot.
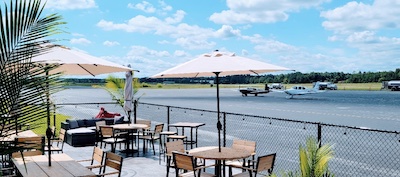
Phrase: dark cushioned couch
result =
(82, 132)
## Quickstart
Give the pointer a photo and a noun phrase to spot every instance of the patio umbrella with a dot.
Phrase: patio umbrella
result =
(218, 64)
(128, 93)
(73, 62)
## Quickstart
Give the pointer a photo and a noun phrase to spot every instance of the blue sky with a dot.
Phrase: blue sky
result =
(307, 36)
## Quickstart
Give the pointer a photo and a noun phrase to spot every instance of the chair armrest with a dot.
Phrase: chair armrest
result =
(204, 166)
(86, 160)
(110, 173)
(94, 166)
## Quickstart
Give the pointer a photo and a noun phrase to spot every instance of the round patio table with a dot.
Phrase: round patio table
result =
(212, 153)
(129, 128)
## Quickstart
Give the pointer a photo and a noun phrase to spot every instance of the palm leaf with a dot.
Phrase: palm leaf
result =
(25, 86)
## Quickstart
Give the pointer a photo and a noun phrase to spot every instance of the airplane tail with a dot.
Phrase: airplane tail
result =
(316, 86)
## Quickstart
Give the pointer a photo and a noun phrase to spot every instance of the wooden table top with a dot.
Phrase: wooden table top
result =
(129, 126)
(186, 124)
(212, 152)
(61, 166)
(27, 133)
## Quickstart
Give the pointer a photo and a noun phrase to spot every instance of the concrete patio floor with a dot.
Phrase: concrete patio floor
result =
(136, 164)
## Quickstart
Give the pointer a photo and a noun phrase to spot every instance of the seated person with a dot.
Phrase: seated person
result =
(104, 114)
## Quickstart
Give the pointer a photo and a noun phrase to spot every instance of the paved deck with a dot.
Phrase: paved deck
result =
(136, 164)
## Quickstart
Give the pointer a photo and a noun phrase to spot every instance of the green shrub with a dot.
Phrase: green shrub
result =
(159, 85)
(144, 84)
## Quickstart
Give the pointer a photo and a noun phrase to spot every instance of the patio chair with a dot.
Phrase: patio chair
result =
(109, 136)
(98, 132)
(59, 142)
(170, 147)
(263, 164)
(187, 163)
(114, 162)
(137, 133)
(152, 136)
(242, 145)
(30, 146)
(97, 159)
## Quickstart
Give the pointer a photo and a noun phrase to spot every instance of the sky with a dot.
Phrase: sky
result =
(303, 35)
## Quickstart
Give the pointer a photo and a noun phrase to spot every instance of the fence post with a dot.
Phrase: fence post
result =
(135, 104)
(54, 117)
(168, 107)
(224, 137)
(319, 134)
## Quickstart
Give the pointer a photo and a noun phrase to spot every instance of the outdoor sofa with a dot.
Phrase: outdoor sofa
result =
(82, 132)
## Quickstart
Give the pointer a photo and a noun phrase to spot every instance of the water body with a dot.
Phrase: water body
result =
(367, 109)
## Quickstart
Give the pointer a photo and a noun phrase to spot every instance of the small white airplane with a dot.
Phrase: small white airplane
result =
(300, 90)
(254, 91)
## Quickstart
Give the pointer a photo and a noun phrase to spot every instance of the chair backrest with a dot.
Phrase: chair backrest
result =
(62, 135)
(177, 146)
(114, 161)
(100, 123)
(146, 122)
(31, 146)
(98, 155)
(107, 131)
(158, 129)
(246, 145)
(266, 162)
(183, 161)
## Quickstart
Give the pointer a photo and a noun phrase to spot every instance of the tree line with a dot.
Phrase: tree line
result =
(290, 78)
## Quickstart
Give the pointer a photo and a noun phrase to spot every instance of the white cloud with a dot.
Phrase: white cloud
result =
(77, 34)
(178, 17)
(227, 31)
(354, 16)
(110, 43)
(141, 51)
(185, 35)
(362, 26)
(180, 53)
(83, 41)
(194, 43)
(143, 6)
(70, 4)
(260, 11)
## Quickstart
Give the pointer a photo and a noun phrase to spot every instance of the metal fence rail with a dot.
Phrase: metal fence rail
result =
(358, 152)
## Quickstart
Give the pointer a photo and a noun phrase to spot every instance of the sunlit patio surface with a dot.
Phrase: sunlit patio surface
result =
(134, 164)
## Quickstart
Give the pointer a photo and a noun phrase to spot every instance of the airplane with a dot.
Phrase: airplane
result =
(252, 90)
(300, 90)
(255, 91)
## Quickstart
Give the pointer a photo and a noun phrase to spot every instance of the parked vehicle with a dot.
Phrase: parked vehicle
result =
(394, 85)
(327, 85)
(276, 86)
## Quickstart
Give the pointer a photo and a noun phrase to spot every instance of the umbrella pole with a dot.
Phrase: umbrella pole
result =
(48, 131)
(219, 125)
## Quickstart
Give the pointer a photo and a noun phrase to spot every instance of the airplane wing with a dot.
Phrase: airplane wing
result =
(276, 90)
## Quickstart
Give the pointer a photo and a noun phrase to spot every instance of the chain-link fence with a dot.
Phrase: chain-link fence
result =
(358, 152)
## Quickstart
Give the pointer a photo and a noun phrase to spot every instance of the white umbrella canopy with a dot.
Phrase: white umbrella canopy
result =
(226, 64)
(74, 62)
(219, 64)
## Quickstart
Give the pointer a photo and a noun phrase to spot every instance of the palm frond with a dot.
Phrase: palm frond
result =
(24, 86)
